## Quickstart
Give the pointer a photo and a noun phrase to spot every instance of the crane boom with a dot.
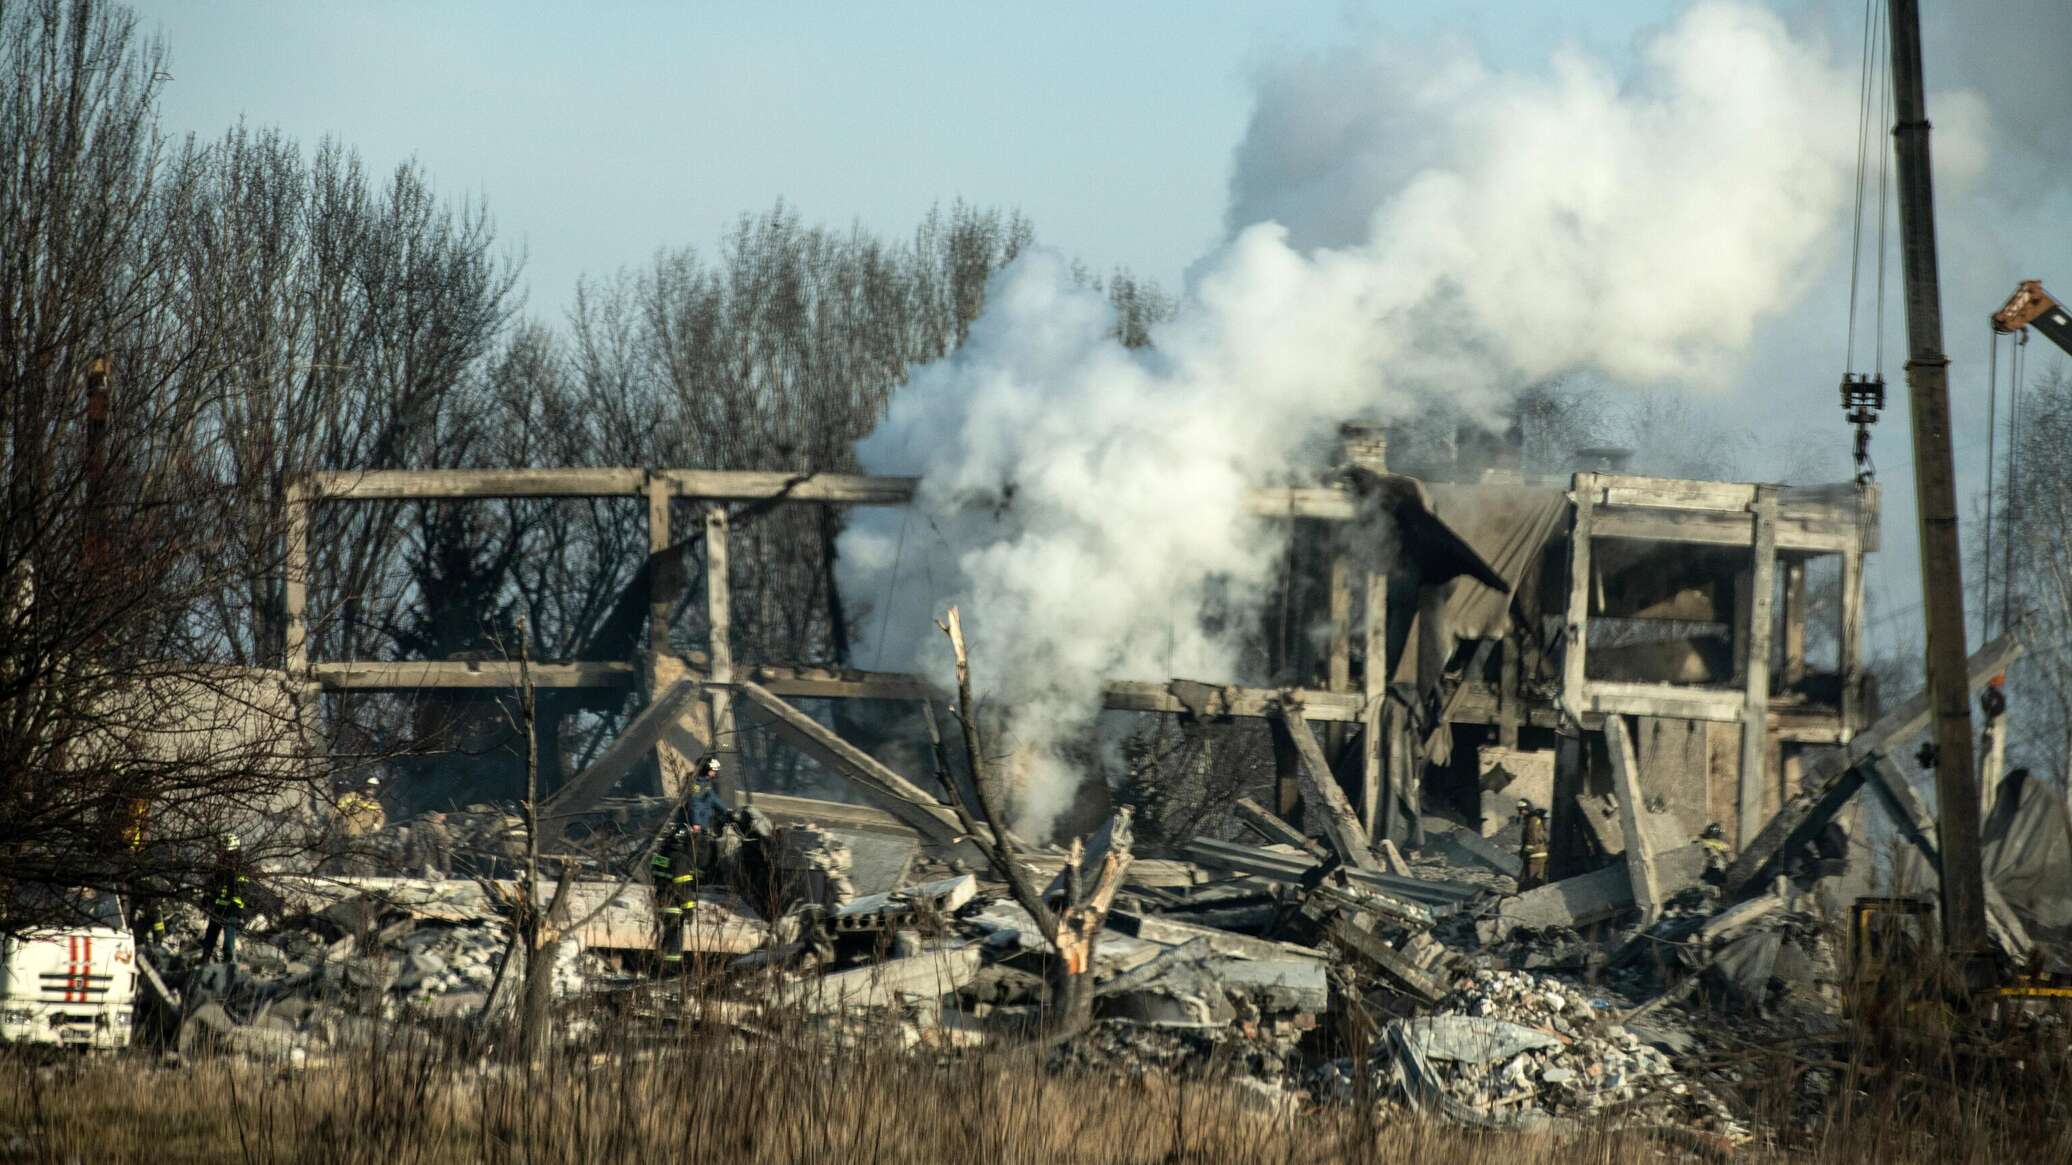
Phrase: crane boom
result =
(2031, 306)
(1935, 497)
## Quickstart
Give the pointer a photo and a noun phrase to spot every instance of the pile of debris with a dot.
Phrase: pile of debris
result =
(372, 958)
(1507, 1049)
(1433, 984)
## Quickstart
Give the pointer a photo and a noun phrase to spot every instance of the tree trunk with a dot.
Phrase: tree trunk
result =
(535, 1005)
(1071, 1001)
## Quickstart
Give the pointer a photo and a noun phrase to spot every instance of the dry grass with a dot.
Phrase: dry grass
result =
(690, 1105)
(806, 1097)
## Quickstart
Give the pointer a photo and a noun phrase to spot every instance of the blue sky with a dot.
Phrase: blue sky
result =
(599, 134)
(598, 137)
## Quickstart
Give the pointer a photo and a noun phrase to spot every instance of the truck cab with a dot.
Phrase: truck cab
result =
(68, 987)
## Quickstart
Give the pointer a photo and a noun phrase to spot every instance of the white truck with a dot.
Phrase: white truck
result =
(72, 987)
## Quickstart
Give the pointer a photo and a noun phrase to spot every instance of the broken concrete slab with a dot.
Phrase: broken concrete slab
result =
(1467, 847)
(1471, 1039)
(1586, 899)
(1348, 935)
(880, 911)
(878, 862)
(1174, 989)
(1168, 932)
(925, 977)
(1440, 897)
(812, 866)
(1194, 952)
(1738, 917)
(1277, 985)
(1359, 899)
(1509, 775)
(1194, 1001)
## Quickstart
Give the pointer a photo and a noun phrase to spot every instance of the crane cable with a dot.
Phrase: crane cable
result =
(1884, 203)
(1863, 395)
(1863, 114)
(2017, 369)
(1992, 433)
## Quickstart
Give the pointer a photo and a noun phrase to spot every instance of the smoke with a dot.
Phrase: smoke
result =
(1417, 233)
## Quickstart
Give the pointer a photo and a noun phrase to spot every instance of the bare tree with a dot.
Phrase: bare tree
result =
(128, 741)
(1073, 910)
(2033, 578)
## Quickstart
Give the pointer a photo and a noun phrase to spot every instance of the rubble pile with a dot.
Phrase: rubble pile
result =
(1430, 982)
(1508, 1048)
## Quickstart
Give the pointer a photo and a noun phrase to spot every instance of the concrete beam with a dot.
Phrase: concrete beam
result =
(1365, 946)
(1829, 782)
(1323, 797)
(1586, 899)
(629, 748)
(485, 674)
(924, 977)
(1273, 829)
(894, 793)
(1641, 876)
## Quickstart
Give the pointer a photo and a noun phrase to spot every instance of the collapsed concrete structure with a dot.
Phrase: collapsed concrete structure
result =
(1642, 657)
(1515, 617)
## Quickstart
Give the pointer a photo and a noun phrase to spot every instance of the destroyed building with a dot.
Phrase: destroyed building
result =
(1642, 657)
(1512, 619)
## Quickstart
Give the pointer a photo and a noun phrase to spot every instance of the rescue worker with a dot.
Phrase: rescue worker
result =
(1993, 701)
(226, 906)
(360, 813)
(360, 822)
(432, 845)
(1532, 845)
(1714, 840)
(673, 875)
(707, 809)
(145, 893)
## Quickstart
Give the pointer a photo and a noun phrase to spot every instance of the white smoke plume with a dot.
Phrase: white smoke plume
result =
(1460, 233)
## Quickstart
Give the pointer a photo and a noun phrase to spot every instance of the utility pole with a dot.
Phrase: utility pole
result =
(1935, 500)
